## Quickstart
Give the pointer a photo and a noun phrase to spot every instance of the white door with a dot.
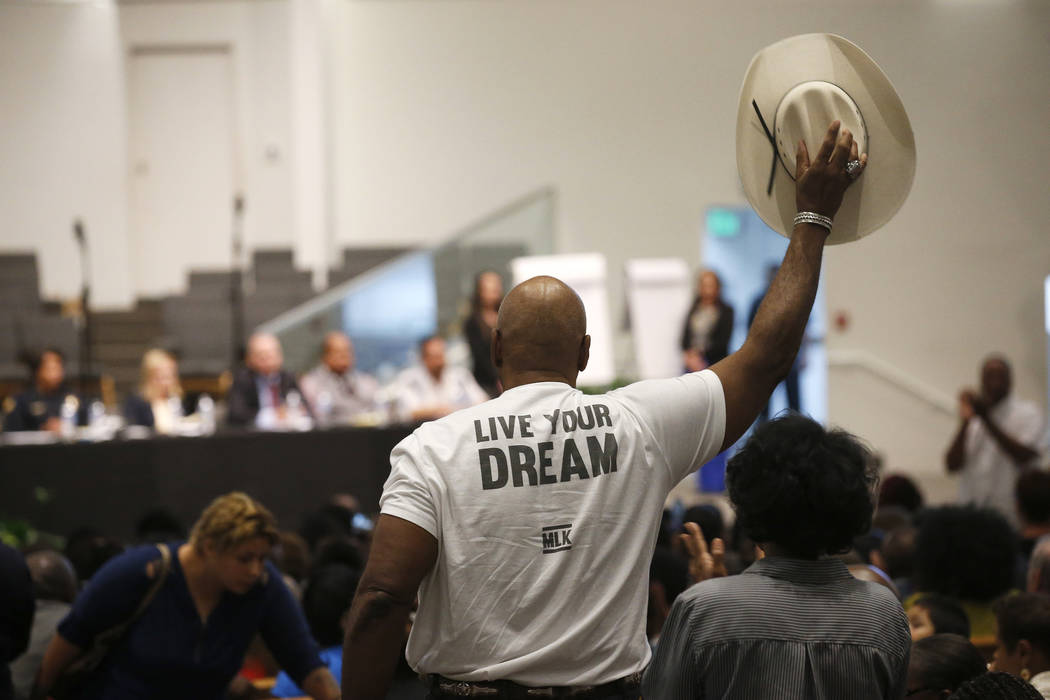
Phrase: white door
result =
(182, 164)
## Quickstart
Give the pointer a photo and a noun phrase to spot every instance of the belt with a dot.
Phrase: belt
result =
(441, 687)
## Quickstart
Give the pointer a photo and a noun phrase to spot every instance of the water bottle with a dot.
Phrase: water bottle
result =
(324, 408)
(206, 410)
(68, 417)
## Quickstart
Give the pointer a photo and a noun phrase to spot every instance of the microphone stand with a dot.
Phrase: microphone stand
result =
(85, 299)
(236, 283)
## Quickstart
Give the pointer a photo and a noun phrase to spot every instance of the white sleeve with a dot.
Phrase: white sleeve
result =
(406, 493)
(686, 416)
(1029, 427)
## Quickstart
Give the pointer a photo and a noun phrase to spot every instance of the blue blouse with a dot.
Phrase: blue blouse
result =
(168, 652)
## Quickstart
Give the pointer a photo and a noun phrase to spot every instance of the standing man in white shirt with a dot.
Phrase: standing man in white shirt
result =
(433, 389)
(526, 524)
(998, 436)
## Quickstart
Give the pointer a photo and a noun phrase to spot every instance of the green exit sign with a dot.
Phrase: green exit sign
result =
(723, 222)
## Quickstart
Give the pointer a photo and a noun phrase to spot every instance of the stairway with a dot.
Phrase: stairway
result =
(120, 338)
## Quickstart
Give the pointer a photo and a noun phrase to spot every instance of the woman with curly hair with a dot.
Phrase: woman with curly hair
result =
(802, 493)
(174, 620)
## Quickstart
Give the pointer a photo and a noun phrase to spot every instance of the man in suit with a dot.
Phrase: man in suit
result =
(263, 394)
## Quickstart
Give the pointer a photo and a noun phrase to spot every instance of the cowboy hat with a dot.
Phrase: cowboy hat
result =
(792, 90)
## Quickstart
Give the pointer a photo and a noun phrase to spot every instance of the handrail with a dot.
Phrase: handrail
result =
(891, 374)
(326, 298)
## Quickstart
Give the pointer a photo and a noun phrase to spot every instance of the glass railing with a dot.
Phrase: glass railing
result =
(390, 308)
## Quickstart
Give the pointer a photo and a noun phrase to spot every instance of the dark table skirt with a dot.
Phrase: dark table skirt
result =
(109, 485)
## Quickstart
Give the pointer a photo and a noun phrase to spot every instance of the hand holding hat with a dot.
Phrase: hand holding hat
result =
(820, 184)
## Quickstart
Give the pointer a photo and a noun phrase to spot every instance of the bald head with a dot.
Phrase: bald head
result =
(53, 576)
(542, 332)
(338, 352)
(264, 354)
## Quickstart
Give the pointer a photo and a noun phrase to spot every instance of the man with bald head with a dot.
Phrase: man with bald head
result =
(998, 437)
(260, 390)
(526, 524)
(336, 391)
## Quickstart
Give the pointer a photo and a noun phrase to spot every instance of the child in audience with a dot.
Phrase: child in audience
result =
(934, 614)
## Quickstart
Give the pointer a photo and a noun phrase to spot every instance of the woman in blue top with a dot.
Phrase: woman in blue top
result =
(190, 641)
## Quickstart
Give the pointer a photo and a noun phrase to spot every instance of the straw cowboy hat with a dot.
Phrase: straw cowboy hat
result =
(793, 90)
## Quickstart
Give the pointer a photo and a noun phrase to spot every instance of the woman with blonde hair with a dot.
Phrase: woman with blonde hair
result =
(174, 620)
(159, 401)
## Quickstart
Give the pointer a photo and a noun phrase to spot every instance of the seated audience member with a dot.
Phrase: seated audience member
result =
(1033, 508)
(326, 602)
(896, 556)
(802, 493)
(969, 554)
(158, 404)
(996, 685)
(88, 549)
(292, 556)
(336, 391)
(221, 576)
(934, 614)
(940, 664)
(55, 588)
(16, 612)
(433, 389)
(260, 390)
(40, 407)
(898, 490)
(1022, 642)
(484, 312)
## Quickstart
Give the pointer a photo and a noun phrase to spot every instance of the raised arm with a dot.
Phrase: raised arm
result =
(750, 374)
(402, 553)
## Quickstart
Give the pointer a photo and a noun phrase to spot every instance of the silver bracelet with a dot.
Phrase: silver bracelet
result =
(809, 217)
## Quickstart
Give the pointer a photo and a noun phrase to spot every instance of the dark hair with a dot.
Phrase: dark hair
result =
(804, 488)
(945, 661)
(709, 518)
(53, 576)
(88, 549)
(327, 521)
(898, 551)
(35, 358)
(900, 490)
(326, 599)
(1033, 495)
(429, 339)
(995, 685)
(338, 549)
(159, 525)
(475, 298)
(947, 616)
(670, 571)
(1024, 616)
(965, 552)
(292, 556)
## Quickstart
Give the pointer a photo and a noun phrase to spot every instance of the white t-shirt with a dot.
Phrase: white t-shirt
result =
(546, 503)
(989, 475)
(417, 389)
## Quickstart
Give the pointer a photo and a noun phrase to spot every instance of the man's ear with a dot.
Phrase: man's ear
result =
(1024, 651)
(585, 353)
(497, 348)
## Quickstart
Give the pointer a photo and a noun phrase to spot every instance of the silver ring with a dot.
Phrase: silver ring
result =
(853, 169)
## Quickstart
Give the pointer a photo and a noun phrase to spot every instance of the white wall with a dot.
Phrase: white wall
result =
(62, 143)
(448, 109)
(63, 127)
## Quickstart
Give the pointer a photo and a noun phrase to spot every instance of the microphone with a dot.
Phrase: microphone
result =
(238, 204)
(78, 231)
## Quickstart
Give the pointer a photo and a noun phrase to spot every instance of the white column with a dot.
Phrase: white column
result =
(311, 142)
